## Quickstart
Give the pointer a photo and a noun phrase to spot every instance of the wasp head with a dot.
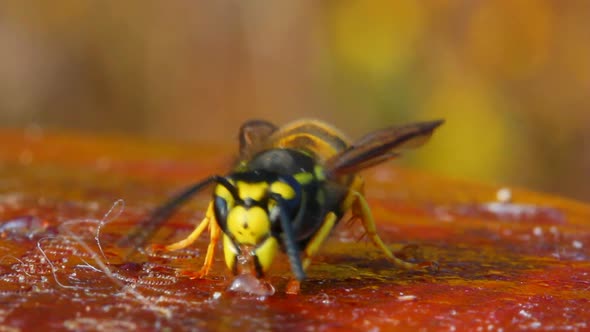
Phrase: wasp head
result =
(256, 210)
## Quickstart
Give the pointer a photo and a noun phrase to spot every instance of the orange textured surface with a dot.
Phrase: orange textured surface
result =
(515, 265)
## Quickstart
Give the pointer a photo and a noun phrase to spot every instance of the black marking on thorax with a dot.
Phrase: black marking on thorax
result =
(282, 161)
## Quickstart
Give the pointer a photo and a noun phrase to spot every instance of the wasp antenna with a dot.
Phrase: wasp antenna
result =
(289, 237)
(230, 187)
(147, 228)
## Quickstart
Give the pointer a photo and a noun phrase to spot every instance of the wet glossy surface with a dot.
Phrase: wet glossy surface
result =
(508, 259)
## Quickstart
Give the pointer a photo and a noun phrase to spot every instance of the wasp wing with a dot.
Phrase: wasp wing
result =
(380, 146)
(253, 137)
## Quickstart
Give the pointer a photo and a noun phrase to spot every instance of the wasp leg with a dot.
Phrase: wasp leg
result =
(214, 232)
(360, 208)
(314, 244)
(194, 235)
(312, 247)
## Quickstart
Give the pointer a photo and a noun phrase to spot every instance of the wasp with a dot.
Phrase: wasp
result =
(288, 189)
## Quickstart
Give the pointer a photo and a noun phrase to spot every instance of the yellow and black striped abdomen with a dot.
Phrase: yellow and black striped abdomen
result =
(313, 137)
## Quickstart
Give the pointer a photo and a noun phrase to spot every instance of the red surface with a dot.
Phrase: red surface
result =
(520, 265)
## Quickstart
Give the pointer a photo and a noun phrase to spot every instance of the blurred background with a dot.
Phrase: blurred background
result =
(512, 78)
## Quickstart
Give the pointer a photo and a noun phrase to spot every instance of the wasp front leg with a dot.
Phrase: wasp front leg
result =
(214, 232)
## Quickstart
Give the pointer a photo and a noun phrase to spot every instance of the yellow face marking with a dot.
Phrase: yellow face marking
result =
(248, 226)
(283, 189)
(255, 191)
(266, 252)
